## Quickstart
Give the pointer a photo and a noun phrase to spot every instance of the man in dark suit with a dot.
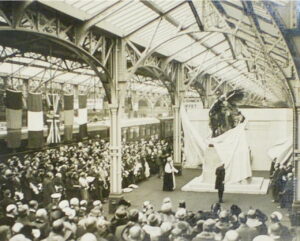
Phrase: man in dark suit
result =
(219, 185)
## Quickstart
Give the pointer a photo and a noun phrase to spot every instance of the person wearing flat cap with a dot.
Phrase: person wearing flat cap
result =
(245, 232)
(169, 177)
(120, 218)
(207, 234)
(152, 228)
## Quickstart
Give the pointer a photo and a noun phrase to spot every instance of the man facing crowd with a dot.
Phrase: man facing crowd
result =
(219, 185)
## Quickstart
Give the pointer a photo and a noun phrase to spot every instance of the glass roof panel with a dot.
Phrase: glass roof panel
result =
(9, 68)
(166, 5)
(30, 71)
(138, 15)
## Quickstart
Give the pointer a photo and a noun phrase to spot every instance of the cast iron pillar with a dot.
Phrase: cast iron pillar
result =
(117, 66)
(178, 98)
(296, 141)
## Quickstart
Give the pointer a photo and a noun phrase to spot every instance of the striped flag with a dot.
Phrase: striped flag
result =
(14, 105)
(53, 118)
(82, 116)
(68, 116)
(35, 120)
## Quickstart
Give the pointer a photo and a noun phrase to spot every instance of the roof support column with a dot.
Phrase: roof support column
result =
(117, 67)
(179, 94)
(296, 142)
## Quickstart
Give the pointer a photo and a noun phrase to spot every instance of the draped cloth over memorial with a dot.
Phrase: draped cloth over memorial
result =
(195, 145)
(82, 116)
(35, 120)
(232, 149)
(13, 118)
(68, 117)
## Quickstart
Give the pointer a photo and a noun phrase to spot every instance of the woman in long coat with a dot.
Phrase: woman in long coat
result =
(169, 177)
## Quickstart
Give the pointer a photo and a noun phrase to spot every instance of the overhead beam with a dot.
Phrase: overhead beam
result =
(155, 8)
(196, 15)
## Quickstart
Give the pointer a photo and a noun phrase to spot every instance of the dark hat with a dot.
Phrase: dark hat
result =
(133, 214)
(120, 213)
(124, 203)
(182, 204)
(153, 219)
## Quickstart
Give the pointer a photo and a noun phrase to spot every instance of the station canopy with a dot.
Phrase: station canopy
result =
(235, 42)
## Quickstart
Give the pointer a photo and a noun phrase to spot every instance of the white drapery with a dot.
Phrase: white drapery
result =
(281, 150)
(232, 148)
(194, 144)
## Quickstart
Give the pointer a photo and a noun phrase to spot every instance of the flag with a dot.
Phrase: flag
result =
(53, 118)
(35, 120)
(14, 105)
(68, 116)
(82, 116)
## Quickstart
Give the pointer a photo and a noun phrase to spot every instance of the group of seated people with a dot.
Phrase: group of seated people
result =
(76, 219)
(282, 184)
(79, 170)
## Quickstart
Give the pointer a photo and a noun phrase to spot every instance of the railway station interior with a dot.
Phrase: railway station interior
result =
(150, 120)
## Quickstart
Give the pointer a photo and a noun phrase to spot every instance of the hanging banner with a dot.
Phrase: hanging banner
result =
(82, 116)
(68, 117)
(35, 120)
(14, 105)
(53, 118)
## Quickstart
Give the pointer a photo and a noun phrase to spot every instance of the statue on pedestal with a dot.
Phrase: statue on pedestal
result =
(224, 114)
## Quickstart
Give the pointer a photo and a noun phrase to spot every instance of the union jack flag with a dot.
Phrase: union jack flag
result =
(53, 118)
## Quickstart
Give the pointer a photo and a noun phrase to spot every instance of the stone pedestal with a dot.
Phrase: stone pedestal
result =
(211, 162)
(256, 185)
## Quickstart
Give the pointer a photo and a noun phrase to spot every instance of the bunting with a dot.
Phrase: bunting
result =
(14, 105)
(82, 116)
(68, 117)
(35, 120)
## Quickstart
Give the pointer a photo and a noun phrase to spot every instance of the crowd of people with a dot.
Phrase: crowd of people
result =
(75, 219)
(79, 170)
(58, 194)
(282, 183)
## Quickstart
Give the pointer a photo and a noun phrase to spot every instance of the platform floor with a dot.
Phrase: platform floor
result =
(152, 190)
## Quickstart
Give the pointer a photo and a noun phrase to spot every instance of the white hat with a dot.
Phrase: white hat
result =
(16, 228)
(74, 201)
(181, 213)
(10, 208)
(167, 200)
(97, 203)
(231, 235)
(56, 195)
(71, 213)
(19, 237)
(277, 214)
(88, 237)
(263, 238)
(63, 204)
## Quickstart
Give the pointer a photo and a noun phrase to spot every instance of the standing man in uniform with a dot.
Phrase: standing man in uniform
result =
(219, 185)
